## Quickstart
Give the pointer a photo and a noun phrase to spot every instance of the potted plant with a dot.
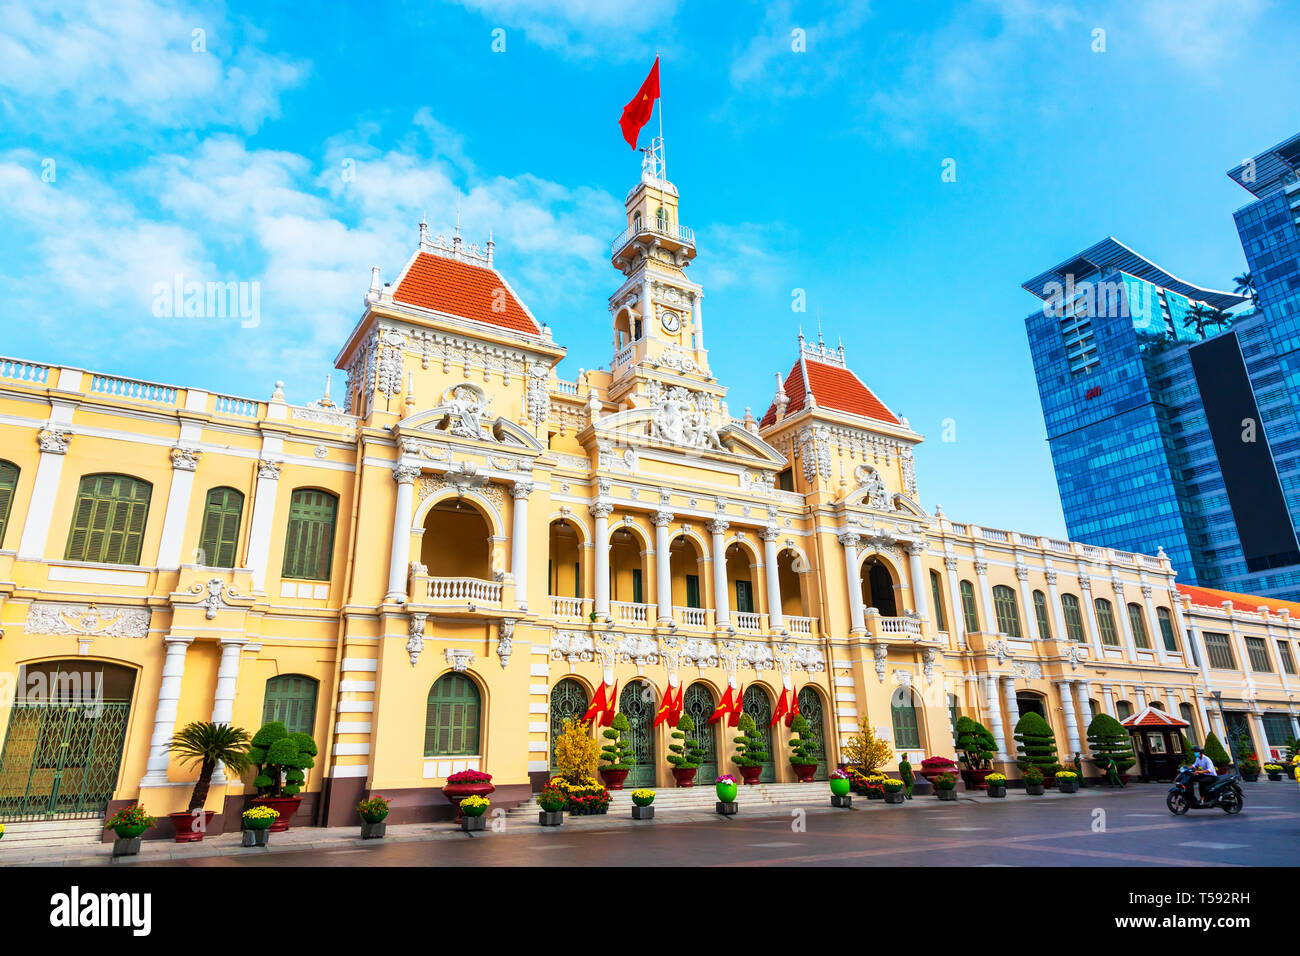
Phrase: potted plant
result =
(128, 824)
(466, 783)
(686, 754)
(643, 804)
(945, 786)
(1109, 741)
(208, 745)
(865, 751)
(1067, 781)
(1218, 755)
(1037, 746)
(725, 788)
(616, 755)
(1274, 770)
(750, 755)
(373, 812)
(281, 759)
(472, 809)
(996, 784)
(893, 790)
(977, 748)
(840, 783)
(1033, 781)
(905, 774)
(258, 821)
(873, 785)
(803, 750)
(585, 799)
(552, 801)
(1249, 767)
(934, 767)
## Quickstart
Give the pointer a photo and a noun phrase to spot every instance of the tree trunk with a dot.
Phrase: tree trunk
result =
(200, 795)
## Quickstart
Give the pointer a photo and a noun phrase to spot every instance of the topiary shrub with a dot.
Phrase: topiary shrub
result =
(1215, 751)
(1107, 739)
(803, 747)
(280, 758)
(750, 744)
(1037, 745)
(616, 755)
(686, 754)
(977, 746)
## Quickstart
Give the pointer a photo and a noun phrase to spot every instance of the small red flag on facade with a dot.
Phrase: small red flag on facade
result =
(782, 707)
(611, 707)
(637, 113)
(597, 703)
(666, 707)
(723, 708)
(737, 705)
(794, 709)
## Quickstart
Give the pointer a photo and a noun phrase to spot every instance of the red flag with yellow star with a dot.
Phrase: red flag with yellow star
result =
(637, 113)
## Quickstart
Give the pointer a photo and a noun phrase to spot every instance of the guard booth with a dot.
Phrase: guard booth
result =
(1157, 742)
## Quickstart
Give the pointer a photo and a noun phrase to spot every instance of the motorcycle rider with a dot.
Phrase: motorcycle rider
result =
(1204, 770)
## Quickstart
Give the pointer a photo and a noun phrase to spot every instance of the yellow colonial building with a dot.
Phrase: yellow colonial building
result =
(432, 573)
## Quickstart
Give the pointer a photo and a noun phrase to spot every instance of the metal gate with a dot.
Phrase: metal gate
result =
(759, 706)
(699, 705)
(810, 705)
(60, 761)
(637, 702)
(568, 702)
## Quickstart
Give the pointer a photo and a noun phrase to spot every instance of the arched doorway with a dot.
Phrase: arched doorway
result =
(906, 721)
(637, 702)
(685, 559)
(758, 705)
(1027, 702)
(63, 745)
(564, 563)
(810, 705)
(456, 541)
(700, 705)
(568, 702)
(878, 587)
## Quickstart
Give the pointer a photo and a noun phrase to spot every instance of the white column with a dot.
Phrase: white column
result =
(775, 616)
(1125, 625)
(721, 600)
(699, 319)
(399, 564)
(856, 619)
(1206, 726)
(259, 533)
(988, 617)
(1109, 699)
(1027, 600)
(184, 462)
(1153, 624)
(1082, 692)
(956, 610)
(223, 700)
(164, 721)
(601, 512)
(1090, 614)
(1058, 613)
(914, 571)
(1141, 694)
(1066, 690)
(520, 491)
(1261, 738)
(1295, 724)
(663, 565)
(40, 512)
(1013, 706)
(995, 714)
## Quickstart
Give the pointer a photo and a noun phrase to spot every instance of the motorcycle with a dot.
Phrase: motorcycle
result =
(1224, 793)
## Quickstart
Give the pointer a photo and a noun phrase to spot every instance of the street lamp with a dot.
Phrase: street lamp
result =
(1223, 721)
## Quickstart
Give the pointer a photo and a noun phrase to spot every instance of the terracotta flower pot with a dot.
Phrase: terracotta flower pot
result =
(804, 772)
(974, 779)
(613, 778)
(456, 792)
(685, 776)
(188, 827)
(751, 774)
(285, 806)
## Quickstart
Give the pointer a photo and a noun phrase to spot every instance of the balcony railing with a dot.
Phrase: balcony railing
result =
(629, 613)
(691, 616)
(801, 625)
(570, 608)
(657, 227)
(464, 590)
(747, 621)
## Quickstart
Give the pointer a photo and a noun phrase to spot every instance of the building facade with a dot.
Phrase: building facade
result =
(433, 574)
(1161, 437)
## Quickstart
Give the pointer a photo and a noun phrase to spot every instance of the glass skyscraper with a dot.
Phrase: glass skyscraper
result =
(1162, 438)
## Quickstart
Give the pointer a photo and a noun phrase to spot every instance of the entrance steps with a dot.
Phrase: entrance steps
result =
(43, 833)
(668, 799)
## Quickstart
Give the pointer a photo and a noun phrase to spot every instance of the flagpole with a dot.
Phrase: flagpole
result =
(663, 153)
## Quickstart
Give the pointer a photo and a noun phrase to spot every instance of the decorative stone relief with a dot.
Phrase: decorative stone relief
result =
(415, 643)
(217, 593)
(87, 620)
(269, 468)
(466, 405)
(815, 450)
(611, 459)
(881, 654)
(386, 362)
(185, 459)
(902, 678)
(505, 640)
(1031, 669)
(682, 417)
(54, 441)
(869, 480)
(701, 653)
(640, 650)
(1001, 650)
(572, 647)
(537, 398)
(459, 658)
(927, 661)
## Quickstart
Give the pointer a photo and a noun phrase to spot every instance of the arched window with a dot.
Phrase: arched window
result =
(1166, 621)
(291, 699)
(568, 702)
(1138, 623)
(1185, 711)
(907, 732)
(309, 543)
(1040, 614)
(220, 538)
(661, 218)
(968, 607)
(8, 482)
(1106, 622)
(936, 594)
(1004, 604)
(108, 523)
(1073, 619)
(451, 723)
(636, 221)
(1123, 709)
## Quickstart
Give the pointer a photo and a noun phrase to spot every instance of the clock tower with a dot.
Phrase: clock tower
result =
(658, 329)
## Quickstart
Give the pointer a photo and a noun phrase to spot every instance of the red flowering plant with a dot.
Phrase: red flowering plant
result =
(941, 764)
(470, 776)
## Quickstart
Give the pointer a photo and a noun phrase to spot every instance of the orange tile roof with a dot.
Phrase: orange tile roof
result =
(461, 289)
(1212, 597)
(1151, 717)
(832, 387)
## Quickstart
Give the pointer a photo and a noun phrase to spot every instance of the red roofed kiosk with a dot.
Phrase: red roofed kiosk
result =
(1158, 742)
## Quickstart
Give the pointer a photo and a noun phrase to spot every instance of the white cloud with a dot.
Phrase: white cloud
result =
(580, 29)
(133, 64)
(1199, 33)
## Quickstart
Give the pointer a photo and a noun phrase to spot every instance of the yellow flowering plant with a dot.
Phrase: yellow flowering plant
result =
(643, 797)
(259, 818)
(996, 778)
(475, 806)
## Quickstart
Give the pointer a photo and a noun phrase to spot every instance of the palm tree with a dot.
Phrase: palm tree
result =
(1246, 286)
(1202, 318)
(209, 745)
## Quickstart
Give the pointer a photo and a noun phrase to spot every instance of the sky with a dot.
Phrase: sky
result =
(900, 168)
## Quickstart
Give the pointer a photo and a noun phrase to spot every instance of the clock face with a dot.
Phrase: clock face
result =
(671, 321)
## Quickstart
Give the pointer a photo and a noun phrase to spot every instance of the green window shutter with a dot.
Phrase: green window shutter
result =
(221, 516)
(1073, 619)
(1040, 612)
(968, 607)
(936, 594)
(109, 520)
(291, 699)
(1106, 622)
(1219, 651)
(1139, 626)
(744, 597)
(637, 595)
(1167, 629)
(451, 726)
(309, 540)
(907, 733)
(1004, 603)
(8, 482)
(692, 590)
